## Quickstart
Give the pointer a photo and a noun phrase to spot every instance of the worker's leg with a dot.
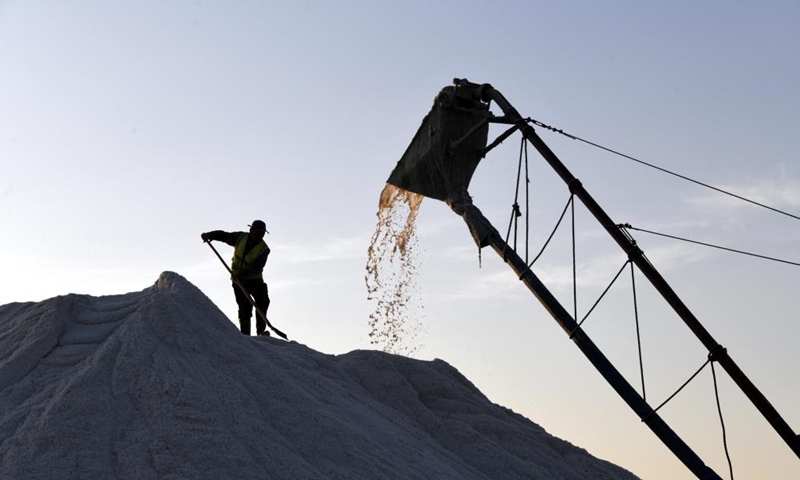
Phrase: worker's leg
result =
(245, 310)
(260, 293)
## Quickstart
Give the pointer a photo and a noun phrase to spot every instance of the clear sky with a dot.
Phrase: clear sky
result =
(128, 128)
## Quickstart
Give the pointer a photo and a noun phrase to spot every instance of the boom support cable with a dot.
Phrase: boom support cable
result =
(664, 170)
(628, 226)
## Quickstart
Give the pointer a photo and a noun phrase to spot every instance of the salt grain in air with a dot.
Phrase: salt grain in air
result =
(395, 325)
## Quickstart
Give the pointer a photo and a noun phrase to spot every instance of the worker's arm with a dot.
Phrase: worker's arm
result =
(220, 236)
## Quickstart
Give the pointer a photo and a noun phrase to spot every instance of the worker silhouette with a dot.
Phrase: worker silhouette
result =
(250, 254)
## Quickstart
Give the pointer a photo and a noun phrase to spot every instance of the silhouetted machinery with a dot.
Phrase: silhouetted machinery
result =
(439, 163)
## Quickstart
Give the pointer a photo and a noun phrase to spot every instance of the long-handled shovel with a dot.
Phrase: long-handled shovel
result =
(252, 302)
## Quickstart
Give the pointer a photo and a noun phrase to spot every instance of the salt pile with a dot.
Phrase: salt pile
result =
(159, 384)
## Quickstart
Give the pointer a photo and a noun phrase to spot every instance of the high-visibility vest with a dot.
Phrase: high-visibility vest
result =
(243, 260)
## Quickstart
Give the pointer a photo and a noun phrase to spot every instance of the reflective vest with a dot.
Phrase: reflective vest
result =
(243, 261)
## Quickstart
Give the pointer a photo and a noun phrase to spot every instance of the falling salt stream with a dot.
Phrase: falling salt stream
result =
(395, 325)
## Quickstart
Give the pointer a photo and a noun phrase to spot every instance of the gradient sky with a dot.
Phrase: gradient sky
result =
(128, 128)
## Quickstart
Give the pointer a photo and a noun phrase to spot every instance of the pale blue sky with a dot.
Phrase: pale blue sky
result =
(128, 128)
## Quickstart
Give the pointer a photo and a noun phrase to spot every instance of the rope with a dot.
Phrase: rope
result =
(527, 200)
(683, 177)
(574, 266)
(515, 208)
(572, 334)
(516, 196)
(721, 421)
(515, 211)
(628, 226)
(638, 336)
(558, 223)
(712, 357)
(682, 386)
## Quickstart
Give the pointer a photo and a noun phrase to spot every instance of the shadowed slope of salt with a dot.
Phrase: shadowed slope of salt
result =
(159, 384)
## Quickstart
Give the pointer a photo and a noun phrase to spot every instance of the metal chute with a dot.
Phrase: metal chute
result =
(445, 152)
(447, 147)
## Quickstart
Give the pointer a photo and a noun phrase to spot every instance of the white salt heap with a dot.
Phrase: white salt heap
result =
(159, 384)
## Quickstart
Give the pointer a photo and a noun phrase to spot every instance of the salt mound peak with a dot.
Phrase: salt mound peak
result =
(159, 384)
